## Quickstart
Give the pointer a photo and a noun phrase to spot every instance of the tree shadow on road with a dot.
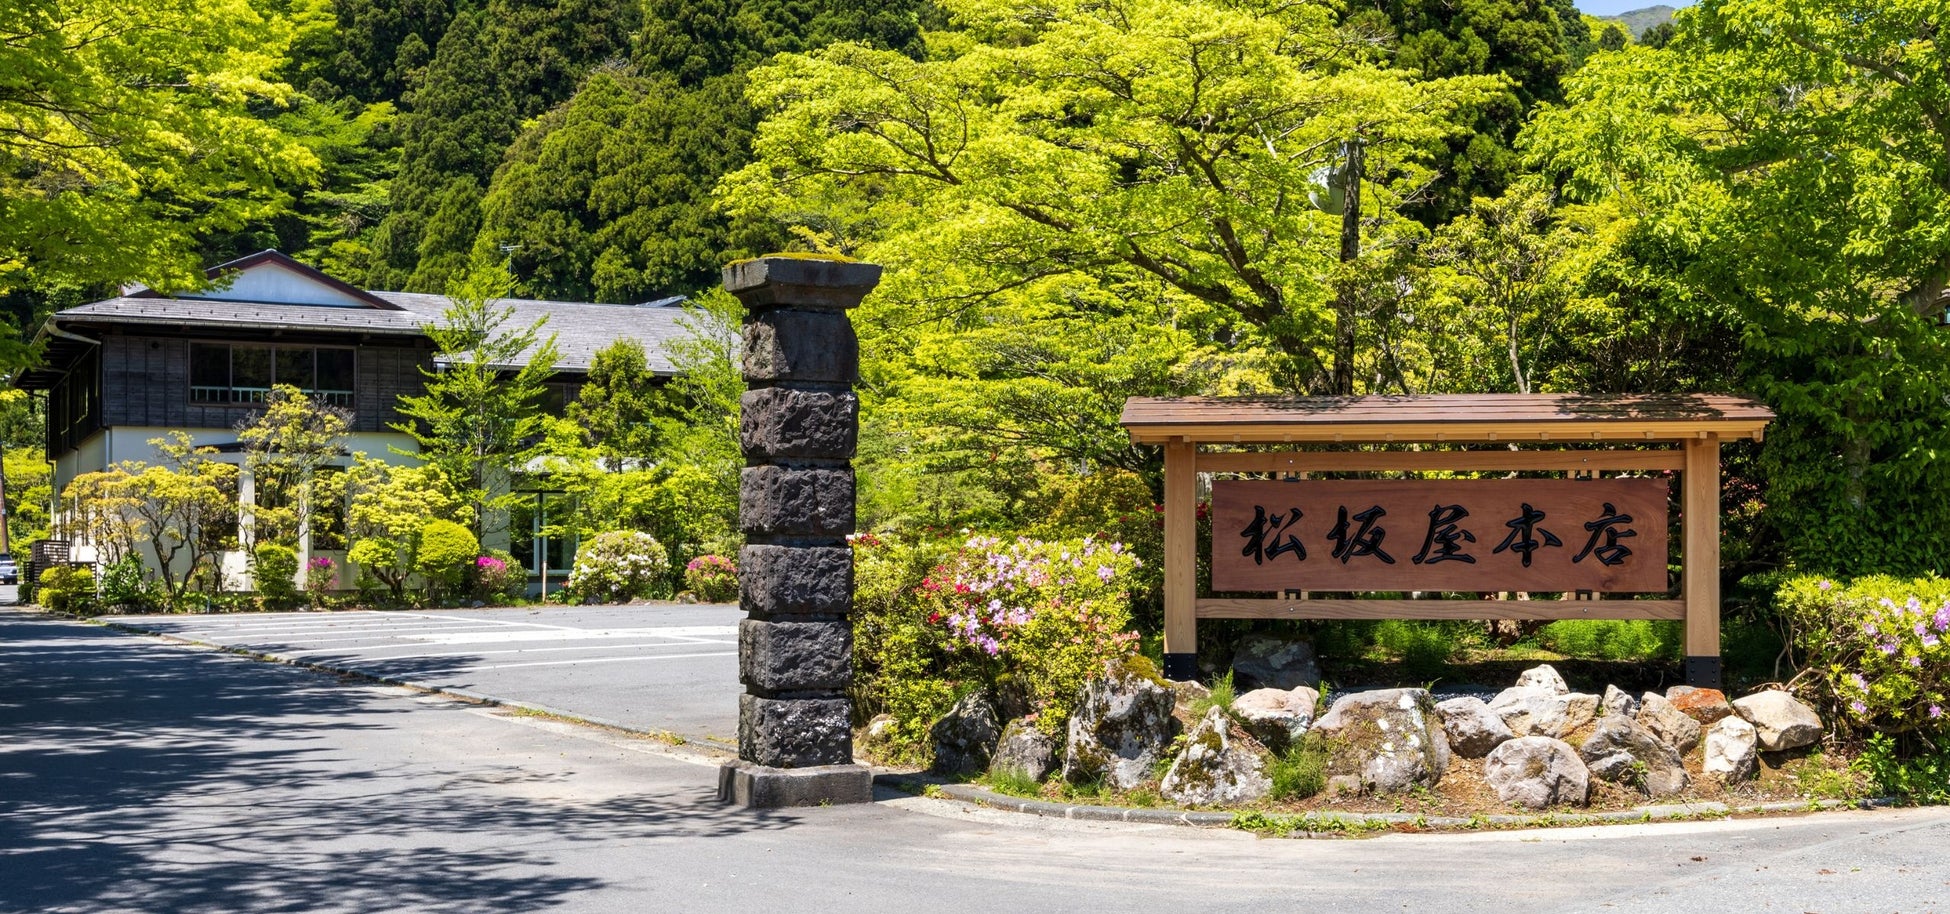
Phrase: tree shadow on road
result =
(138, 777)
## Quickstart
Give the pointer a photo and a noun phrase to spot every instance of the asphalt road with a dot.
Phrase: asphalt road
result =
(144, 776)
(658, 667)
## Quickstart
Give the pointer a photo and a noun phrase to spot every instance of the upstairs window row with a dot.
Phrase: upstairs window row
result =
(223, 374)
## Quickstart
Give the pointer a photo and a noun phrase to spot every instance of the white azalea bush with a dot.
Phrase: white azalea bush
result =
(619, 566)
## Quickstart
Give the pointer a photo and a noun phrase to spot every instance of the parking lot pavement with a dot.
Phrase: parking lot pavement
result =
(661, 666)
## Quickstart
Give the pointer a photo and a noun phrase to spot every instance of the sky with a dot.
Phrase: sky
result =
(1614, 7)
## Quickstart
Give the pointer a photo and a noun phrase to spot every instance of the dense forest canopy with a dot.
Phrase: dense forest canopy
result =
(1080, 202)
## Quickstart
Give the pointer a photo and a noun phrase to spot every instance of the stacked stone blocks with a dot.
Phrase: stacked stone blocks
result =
(799, 427)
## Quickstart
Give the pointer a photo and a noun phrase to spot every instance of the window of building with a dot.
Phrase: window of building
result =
(225, 374)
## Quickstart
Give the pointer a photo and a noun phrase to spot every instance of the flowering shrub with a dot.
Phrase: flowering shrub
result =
(713, 578)
(320, 574)
(903, 664)
(495, 578)
(619, 566)
(1039, 617)
(1875, 648)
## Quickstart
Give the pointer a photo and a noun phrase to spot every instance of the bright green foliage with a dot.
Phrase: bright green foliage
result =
(1301, 771)
(1874, 650)
(128, 130)
(1784, 169)
(1154, 142)
(478, 422)
(1529, 41)
(286, 448)
(185, 508)
(390, 506)
(1599, 639)
(617, 405)
(125, 583)
(274, 570)
(619, 566)
(446, 552)
(66, 588)
(1915, 776)
(901, 663)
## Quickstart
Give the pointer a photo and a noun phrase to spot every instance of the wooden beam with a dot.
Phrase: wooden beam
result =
(1441, 609)
(1702, 547)
(1181, 551)
(1425, 461)
(1510, 431)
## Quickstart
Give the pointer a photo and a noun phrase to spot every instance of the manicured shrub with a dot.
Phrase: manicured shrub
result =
(274, 569)
(713, 578)
(903, 666)
(321, 576)
(495, 577)
(446, 550)
(1874, 650)
(126, 584)
(619, 566)
(67, 589)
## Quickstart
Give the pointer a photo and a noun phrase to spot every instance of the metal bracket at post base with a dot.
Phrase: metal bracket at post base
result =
(1181, 667)
(1703, 672)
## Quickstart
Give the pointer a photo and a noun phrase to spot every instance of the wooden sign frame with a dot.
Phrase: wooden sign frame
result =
(1604, 434)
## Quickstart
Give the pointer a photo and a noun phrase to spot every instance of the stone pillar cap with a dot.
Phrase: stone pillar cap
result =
(801, 280)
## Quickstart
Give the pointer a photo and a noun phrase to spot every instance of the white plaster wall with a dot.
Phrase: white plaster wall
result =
(269, 282)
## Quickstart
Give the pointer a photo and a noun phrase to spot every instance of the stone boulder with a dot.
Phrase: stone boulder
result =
(1473, 729)
(1274, 717)
(1188, 692)
(1623, 752)
(1537, 772)
(1262, 661)
(1540, 711)
(1214, 769)
(1120, 729)
(1619, 701)
(965, 737)
(1780, 721)
(1730, 750)
(1704, 705)
(1668, 723)
(1384, 741)
(1543, 677)
(1024, 751)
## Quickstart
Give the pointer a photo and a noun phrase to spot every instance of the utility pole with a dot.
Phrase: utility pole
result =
(1344, 305)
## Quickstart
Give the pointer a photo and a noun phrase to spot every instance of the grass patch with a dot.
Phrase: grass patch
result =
(1277, 825)
(1604, 639)
(1222, 696)
(1301, 771)
(1014, 783)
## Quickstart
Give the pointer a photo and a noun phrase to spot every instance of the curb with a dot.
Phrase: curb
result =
(1338, 821)
(702, 745)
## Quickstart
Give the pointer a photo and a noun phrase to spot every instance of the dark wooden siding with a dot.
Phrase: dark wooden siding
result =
(146, 381)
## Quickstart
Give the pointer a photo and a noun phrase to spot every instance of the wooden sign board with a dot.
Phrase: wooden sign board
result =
(1420, 534)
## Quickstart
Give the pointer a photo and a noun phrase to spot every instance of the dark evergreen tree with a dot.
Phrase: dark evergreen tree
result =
(609, 197)
(1534, 42)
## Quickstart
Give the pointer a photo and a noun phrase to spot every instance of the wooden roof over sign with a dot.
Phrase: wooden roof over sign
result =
(1444, 417)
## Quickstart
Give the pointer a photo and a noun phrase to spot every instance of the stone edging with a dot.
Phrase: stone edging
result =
(1354, 822)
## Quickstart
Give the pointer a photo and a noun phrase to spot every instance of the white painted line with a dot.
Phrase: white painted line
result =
(264, 630)
(365, 657)
(384, 639)
(510, 666)
(575, 634)
(482, 621)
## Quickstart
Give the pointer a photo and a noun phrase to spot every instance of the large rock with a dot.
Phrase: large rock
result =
(1730, 750)
(964, 738)
(1538, 710)
(1384, 741)
(1704, 705)
(1780, 721)
(1024, 751)
(1621, 751)
(1275, 717)
(1261, 661)
(1619, 701)
(1473, 729)
(1119, 730)
(1543, 677)
(1668, 723)
(1537, 772)
(1213, 769)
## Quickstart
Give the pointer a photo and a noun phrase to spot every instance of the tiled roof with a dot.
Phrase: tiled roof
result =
(581, 329)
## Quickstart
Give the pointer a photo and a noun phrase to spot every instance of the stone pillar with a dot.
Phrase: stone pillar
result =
(799, 423)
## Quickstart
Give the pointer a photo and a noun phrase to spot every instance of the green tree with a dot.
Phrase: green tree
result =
(617, 406)
(128, 132)
(287, 447)
(186, 507)
(480, 421)
(389, 510)
(1150, 142)
(1784, 169)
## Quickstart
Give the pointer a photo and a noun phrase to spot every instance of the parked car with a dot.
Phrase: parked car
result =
(9, 572)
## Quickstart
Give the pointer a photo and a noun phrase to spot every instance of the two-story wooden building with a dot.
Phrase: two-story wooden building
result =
(119, 372)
